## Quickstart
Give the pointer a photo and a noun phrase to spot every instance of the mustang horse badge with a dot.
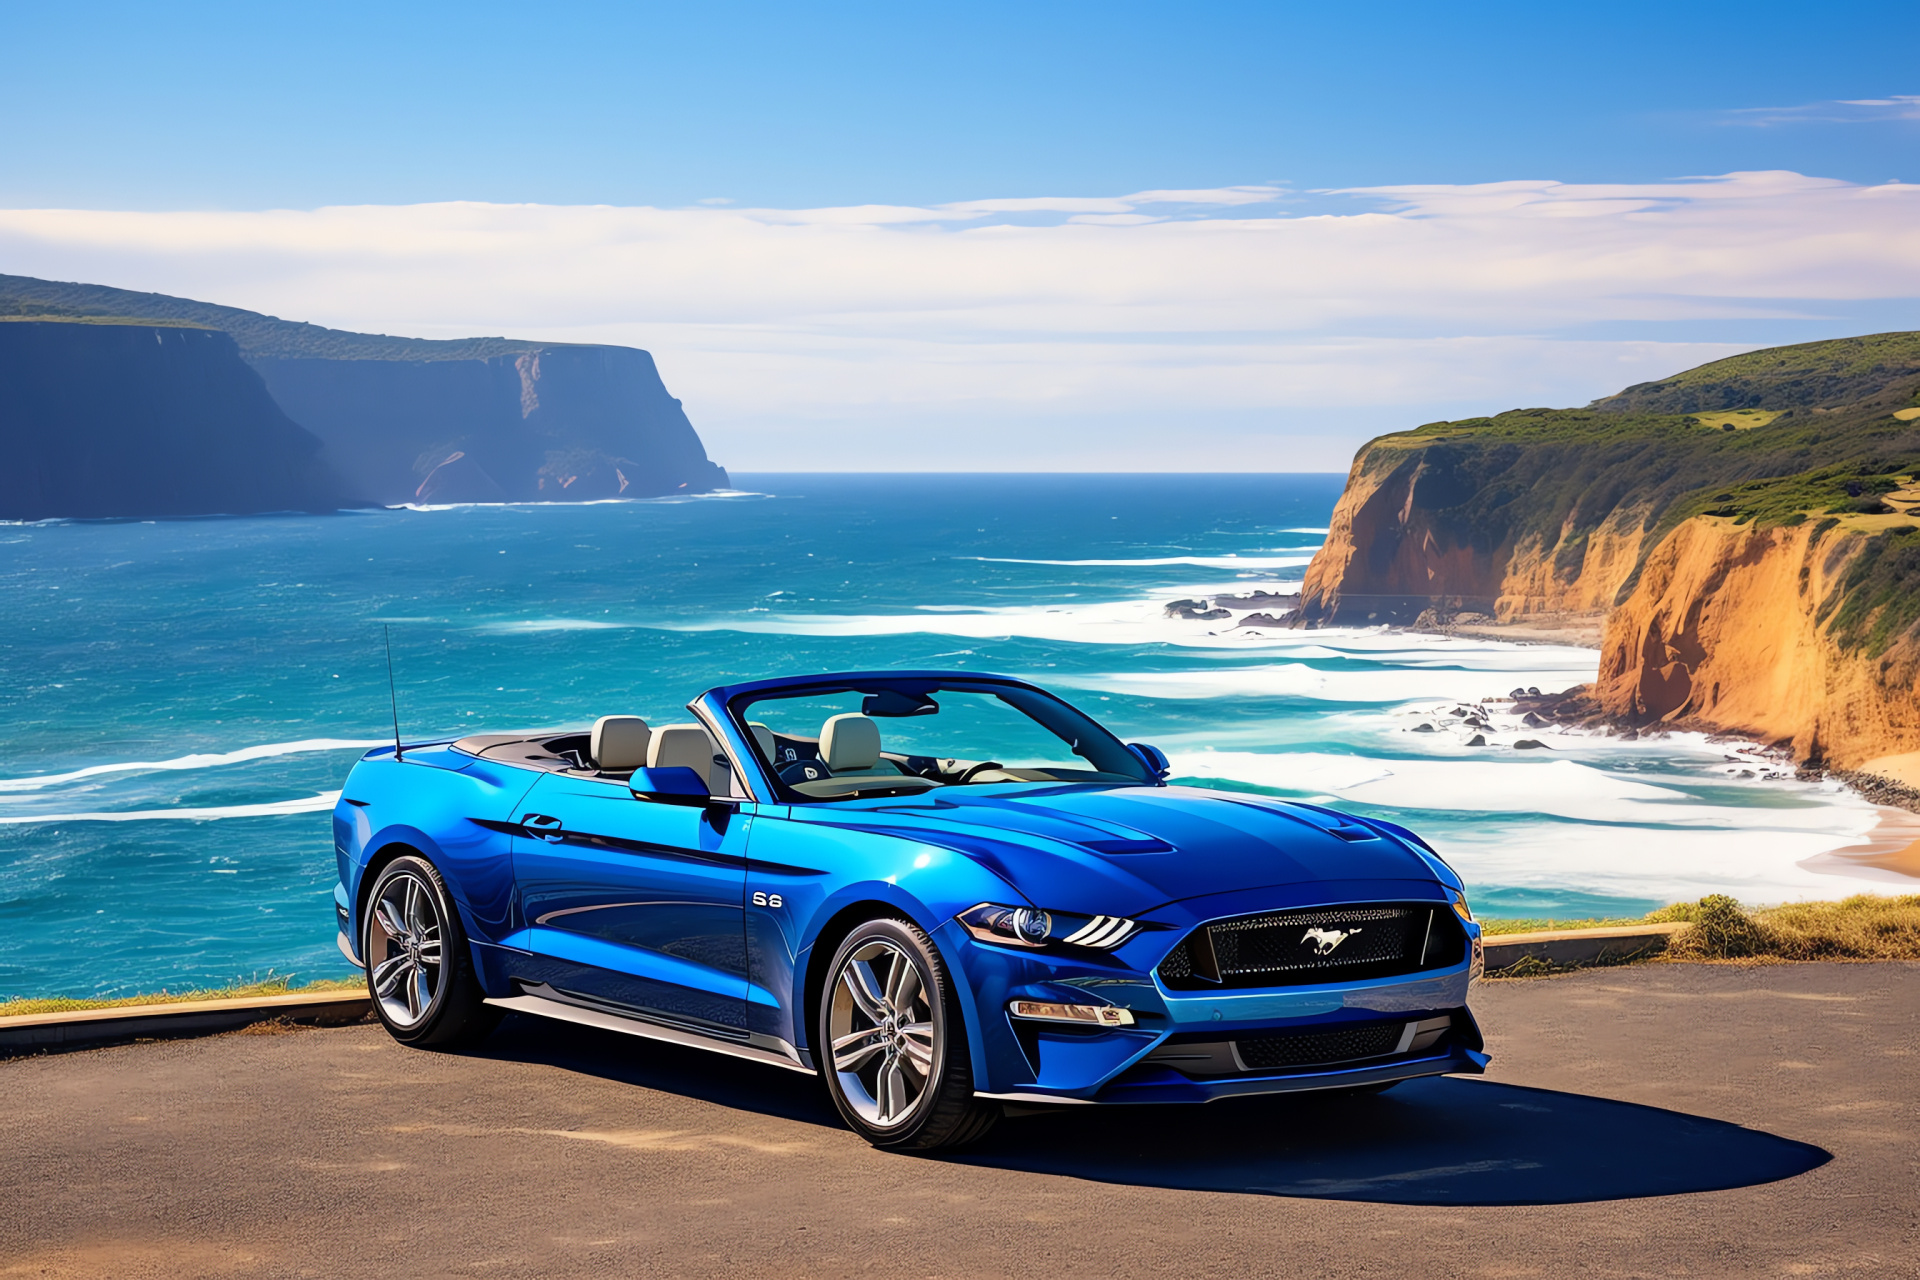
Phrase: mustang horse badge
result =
(1325, 940)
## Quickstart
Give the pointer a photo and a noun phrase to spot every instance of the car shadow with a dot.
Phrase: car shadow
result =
(1438, 1140)
(654, 1064)
(1441, 1140)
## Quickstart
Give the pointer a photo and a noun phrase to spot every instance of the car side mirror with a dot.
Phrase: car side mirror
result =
(677, 785)
(1153, 757)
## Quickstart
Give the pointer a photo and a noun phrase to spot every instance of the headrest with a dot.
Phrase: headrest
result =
(763, 739)
(681, 746)
(619, 742)
(850, 741)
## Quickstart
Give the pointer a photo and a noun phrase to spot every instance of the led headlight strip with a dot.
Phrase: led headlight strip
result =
(1032, 927)
(1104, 932)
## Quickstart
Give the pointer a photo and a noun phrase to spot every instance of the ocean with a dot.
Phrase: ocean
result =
(181, 699)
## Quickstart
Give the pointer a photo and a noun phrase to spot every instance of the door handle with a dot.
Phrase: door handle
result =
(546, 828)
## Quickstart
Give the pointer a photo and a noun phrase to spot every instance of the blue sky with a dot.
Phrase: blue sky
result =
(188, 105)
(1035, 236)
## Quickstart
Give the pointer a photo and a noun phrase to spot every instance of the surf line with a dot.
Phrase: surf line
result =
(199, 761)
(271, 809)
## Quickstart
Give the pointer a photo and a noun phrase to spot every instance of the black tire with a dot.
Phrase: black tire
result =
(414, 947)
(906, 1035)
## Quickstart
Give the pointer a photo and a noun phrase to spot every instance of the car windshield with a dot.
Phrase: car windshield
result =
(842, 743)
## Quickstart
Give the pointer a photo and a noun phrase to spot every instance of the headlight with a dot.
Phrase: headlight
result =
(1460, 907)
(1032, 927)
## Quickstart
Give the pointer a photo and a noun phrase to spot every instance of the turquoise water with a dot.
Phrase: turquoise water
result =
(182, 699)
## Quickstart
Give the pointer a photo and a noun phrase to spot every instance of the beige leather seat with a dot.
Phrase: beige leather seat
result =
(850, 744)
(619, 742)
(763, 739)
(683, 746)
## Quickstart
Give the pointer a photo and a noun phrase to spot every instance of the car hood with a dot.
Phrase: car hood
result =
(1128, 850)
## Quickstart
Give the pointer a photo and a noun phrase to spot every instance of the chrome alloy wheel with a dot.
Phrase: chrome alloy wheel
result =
(884, 1037)
(404, 932)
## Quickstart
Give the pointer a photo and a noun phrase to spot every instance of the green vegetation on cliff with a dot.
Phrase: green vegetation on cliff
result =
(27, 298)
(1770, 438)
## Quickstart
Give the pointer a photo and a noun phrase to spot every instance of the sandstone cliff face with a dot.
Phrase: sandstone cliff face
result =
(1748, 529)
(1394, 551)
(1737, 628)
(138, 420)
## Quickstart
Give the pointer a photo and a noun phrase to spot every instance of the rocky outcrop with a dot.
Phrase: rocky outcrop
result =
(145, 420)
(415, 420)
(1745, 529)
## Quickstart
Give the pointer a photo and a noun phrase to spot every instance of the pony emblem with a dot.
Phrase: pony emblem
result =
(1325, 940)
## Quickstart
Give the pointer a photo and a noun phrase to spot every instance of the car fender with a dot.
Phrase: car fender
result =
(821, 871)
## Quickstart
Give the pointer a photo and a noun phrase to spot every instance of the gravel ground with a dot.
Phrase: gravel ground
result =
(1659, 1120)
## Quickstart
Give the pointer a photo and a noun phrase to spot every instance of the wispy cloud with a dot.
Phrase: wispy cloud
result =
(1207, 328)
(1839, 111)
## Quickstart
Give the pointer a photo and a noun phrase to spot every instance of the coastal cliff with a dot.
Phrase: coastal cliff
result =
(1744, 532)
(146, 420)
(415, 420)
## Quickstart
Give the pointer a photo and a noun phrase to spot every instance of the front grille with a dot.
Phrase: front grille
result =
(1312, 1048)
(1325, 944)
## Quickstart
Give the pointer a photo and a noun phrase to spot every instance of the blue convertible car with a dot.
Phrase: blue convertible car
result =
(949, 894)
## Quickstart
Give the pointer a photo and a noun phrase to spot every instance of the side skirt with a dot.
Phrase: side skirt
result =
(785, 1056)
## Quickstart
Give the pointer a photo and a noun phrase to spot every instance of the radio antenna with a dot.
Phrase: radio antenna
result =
(393, 698)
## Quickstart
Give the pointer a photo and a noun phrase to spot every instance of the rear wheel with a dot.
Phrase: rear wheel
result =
(893, 1043)
(419, 967)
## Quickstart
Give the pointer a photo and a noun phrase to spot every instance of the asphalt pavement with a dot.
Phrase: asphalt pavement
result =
(1658, 1120)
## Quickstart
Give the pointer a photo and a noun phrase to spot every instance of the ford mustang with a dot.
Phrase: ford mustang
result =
(950, 895)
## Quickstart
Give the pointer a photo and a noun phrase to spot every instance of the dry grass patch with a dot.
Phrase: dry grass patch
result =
(19, 1006)
(1863, 927)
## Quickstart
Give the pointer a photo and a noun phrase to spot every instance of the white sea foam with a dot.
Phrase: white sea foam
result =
(714, 495)
(1614, 835)
(1360, 684)
(271, 809)
(201, 761)
(1435, 666)
(535, 626)
(1756, 864)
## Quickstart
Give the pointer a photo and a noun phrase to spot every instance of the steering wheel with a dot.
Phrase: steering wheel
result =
(977, 770)
(804, 771)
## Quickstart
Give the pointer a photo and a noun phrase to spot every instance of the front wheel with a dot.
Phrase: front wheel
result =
(893, 1043)
(419, 967)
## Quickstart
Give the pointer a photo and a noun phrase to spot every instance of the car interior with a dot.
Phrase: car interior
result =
(848, 755)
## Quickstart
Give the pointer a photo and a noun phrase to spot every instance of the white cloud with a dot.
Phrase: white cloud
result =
(1839, 111)
(1059, 332)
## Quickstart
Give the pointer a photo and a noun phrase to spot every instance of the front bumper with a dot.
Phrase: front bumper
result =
(1021, 1061)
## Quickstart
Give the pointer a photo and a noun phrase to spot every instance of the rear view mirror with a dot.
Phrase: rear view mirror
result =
(891, 703)
(1153, 757)
(677, 785)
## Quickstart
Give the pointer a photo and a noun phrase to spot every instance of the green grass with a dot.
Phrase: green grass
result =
(20, 1006)
(1494, 928)
(28, 298)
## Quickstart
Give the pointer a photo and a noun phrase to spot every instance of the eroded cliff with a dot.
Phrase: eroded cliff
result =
(145, 420)
(417, 420)
(1745, 529)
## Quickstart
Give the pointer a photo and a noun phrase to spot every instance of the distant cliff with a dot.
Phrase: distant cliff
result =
(145, 420)
(410, 419)
(1745, 530)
